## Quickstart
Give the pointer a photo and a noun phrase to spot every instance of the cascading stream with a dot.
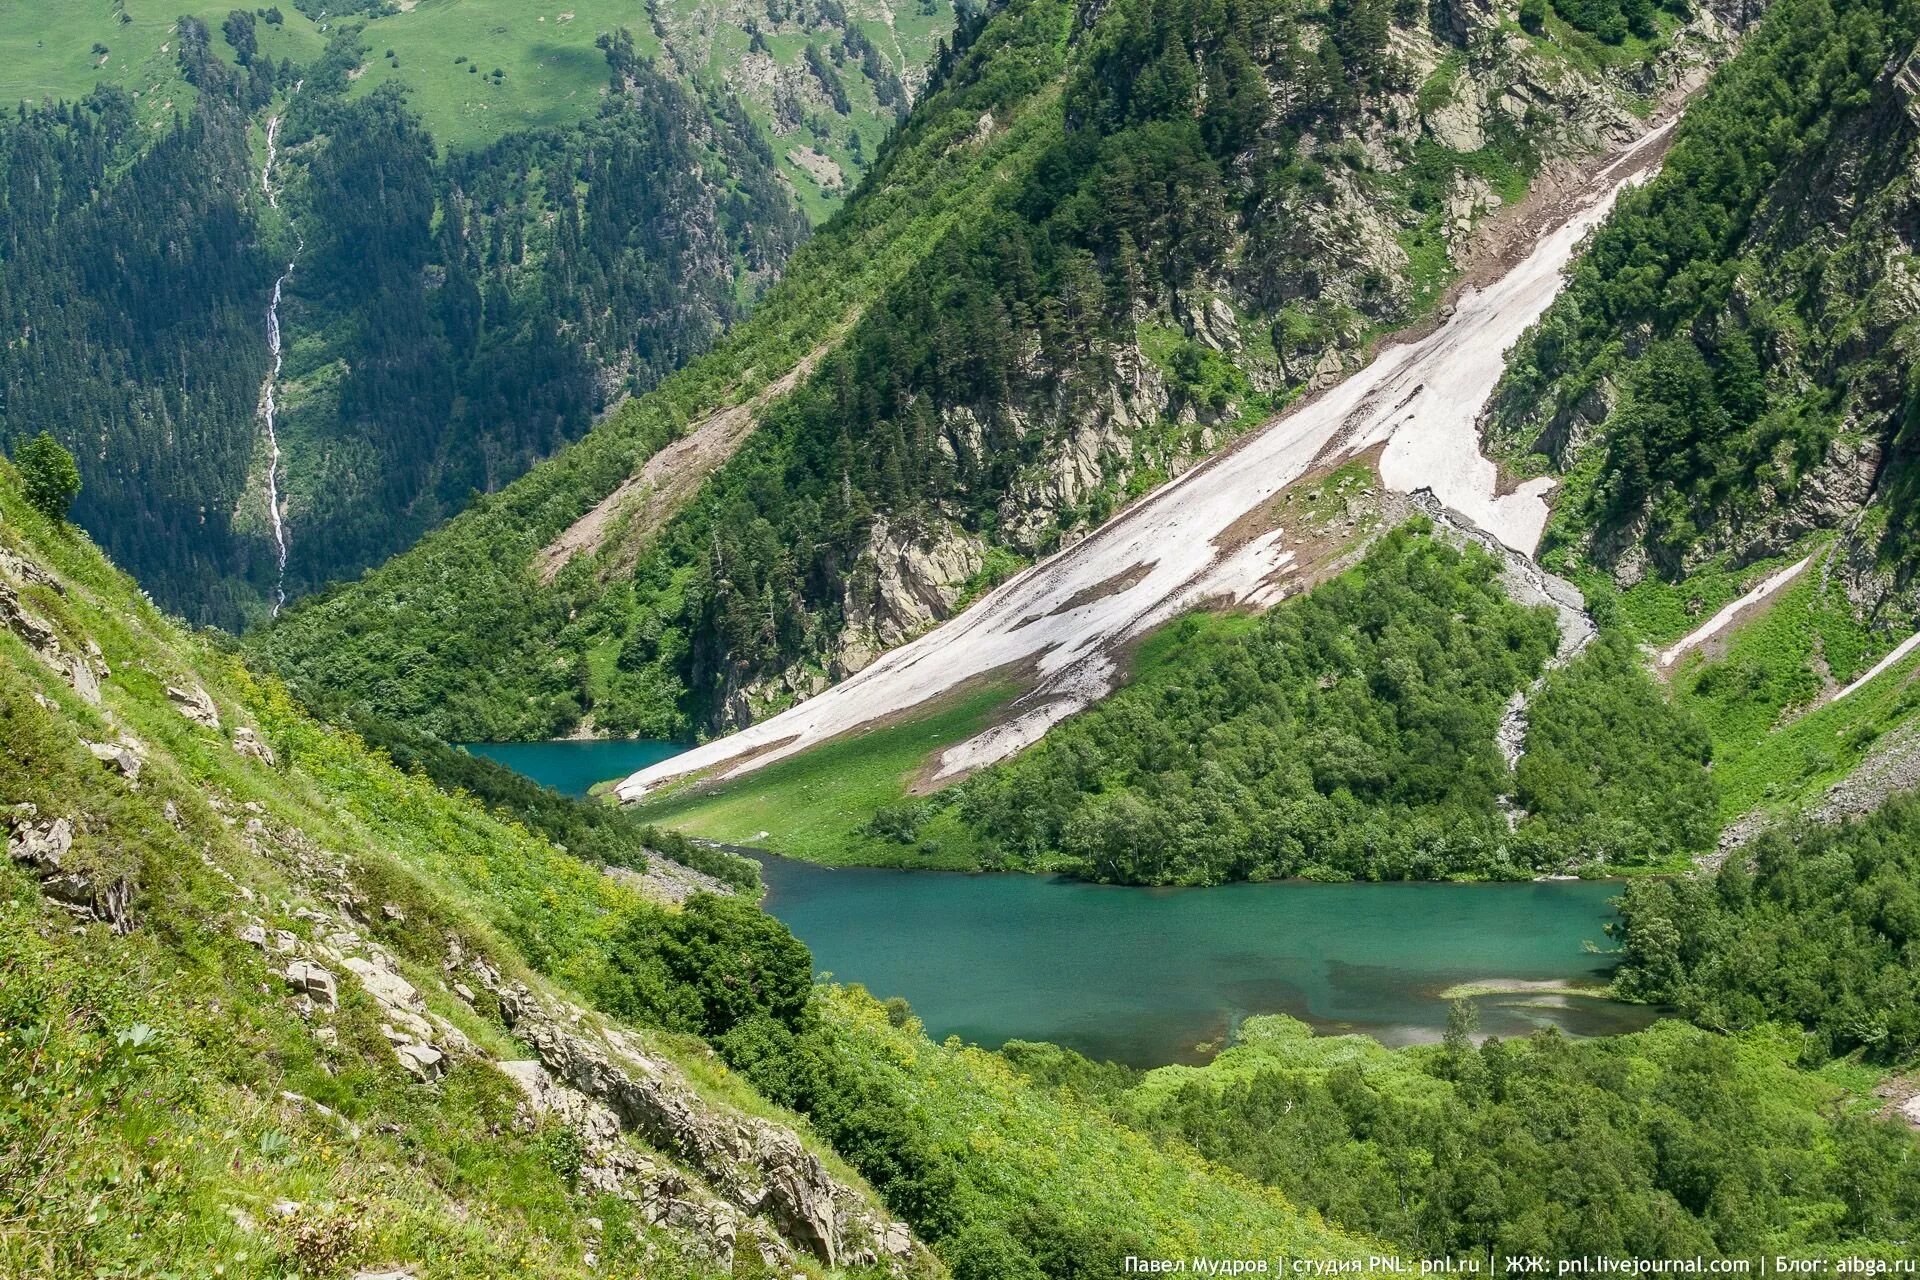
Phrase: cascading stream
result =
(269, 405)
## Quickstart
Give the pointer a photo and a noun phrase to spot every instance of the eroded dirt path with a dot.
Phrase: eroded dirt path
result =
(642, 503)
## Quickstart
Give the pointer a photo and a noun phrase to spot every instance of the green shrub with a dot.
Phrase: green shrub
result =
(48, 475)
(717, 963)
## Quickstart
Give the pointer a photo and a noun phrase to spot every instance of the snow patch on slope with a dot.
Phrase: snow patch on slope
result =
(1179, 548)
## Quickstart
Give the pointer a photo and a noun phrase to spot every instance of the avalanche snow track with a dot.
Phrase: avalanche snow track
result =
(1065, 618)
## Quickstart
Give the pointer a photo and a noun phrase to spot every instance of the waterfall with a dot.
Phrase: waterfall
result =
(269, 405)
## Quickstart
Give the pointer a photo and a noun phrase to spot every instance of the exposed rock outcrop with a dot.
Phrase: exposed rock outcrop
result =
(125, 757)
(910, 580)
(195, 704)
(666, 881)
(45, 847)
(82, 671)
(249, 743)
(758, 1175)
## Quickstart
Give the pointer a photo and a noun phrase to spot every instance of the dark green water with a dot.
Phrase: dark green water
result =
(573, 767)
(1146, 976)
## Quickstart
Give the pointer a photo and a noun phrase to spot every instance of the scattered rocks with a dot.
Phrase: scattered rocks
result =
(422, 1061)
(313, 981)
(249, 743)
(1891, 768)
(385, 985)
(666, 881)
(664, 1195)
(21, 569)
(45, 846)
(196, 705)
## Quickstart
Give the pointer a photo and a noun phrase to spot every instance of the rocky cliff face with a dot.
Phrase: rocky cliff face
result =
(1824, 290)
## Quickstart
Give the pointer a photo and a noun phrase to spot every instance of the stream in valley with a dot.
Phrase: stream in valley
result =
(1150, 976)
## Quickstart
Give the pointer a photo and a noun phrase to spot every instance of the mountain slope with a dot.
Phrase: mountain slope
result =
(1212, 217)
(291, 1009)
(1719, 399)
(1726, 391)
(450, 308)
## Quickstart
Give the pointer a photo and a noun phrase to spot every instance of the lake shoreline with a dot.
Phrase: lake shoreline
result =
(1151, 975)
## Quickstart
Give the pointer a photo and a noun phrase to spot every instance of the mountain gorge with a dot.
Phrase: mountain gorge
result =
(1426, 487)
(1193, 216)
(461, 297)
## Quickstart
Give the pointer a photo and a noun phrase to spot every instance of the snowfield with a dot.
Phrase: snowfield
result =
(1175, 549)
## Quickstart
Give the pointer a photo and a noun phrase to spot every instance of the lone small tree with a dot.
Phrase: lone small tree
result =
(48, 474)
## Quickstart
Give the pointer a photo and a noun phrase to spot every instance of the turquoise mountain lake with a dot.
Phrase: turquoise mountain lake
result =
(573, 767)
(1148, 976)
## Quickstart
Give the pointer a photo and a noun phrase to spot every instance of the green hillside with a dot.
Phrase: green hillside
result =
(456, 308)
(444, 54)
(257, 987)
(54, 52)
(1104, 245)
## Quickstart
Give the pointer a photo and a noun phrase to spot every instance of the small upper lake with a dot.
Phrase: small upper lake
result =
(573, 767)
(1149, 976)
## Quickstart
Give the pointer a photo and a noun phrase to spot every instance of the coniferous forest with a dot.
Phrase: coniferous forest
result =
(449, 319)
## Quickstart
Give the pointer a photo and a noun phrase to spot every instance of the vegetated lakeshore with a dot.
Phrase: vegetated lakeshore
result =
(1147, 977)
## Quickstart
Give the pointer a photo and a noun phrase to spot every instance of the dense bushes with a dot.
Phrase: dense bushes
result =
(1349, 732)
(708, 967)
(1613, 771)
(1611, 20)
(48, 476)
(1822, 932)
(1669, 1143)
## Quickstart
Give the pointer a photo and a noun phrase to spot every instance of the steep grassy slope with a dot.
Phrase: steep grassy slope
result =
(56, 52)
(1176, 217)
(259, 990)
